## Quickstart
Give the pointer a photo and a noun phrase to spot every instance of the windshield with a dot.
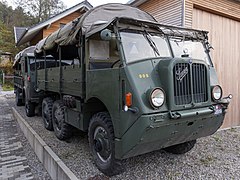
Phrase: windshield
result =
(189, 48)
(143, 45)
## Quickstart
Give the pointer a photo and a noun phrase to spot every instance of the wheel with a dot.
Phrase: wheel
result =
(18, 99)
(181, 148)
(62, 130)
(29, 108)
(47, 106)
(101, 142)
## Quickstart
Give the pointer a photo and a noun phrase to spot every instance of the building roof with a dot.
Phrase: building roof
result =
(136, 3)
(24, 35)
(89, 23)
(18, 32)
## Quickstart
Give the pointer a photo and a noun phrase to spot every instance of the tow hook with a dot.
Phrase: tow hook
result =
(225, 101)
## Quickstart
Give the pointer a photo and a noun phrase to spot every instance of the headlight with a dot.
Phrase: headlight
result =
(157, 97)
(216, 92)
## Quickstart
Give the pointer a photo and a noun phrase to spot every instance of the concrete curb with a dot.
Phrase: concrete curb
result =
(52, 163)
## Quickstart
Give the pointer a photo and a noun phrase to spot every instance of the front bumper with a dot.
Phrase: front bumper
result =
(156, 131)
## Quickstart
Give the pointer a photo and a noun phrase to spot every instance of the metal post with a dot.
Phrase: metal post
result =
(60, 70)
(45, 69)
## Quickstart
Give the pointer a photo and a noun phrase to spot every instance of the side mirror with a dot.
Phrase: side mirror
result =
(106, 35)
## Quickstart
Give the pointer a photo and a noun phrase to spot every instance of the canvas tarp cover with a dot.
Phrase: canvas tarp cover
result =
(89, 23)
(22, 53)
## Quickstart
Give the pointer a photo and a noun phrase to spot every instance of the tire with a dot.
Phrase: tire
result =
(62, 130)
(29, 108)
(181, 148)
(47, 106)
(19, 101)
(101, 142)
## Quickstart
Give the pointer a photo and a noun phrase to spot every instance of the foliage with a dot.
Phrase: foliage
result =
(6, 65)
(14, 17)
(41, 9)
(8, 86)
(7, 39)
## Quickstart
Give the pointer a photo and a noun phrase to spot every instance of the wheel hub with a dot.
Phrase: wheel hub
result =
(98, 146)
(101, 144)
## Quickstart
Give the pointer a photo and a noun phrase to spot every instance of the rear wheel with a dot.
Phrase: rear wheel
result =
(101, 142)
(18, 98)
(29, 108)
(61, 128)
(181, 148)
(47, 105)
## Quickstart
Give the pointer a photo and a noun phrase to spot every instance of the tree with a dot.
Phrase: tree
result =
(7, 43)
(14, 17)
(41, 9)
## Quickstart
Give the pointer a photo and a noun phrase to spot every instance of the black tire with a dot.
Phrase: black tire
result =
(47, 107)
(101, 142)
(29, 108)
(181, 148)
(62, 130)
(19, 101)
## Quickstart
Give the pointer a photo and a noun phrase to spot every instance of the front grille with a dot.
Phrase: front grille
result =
(199, 78)
(190, 83)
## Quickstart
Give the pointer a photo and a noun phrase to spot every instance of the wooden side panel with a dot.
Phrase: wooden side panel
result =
(165, 11)
(225, 38)
(56, 25)
(226, 8)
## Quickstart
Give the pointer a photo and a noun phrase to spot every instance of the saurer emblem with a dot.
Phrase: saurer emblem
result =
(180, 74)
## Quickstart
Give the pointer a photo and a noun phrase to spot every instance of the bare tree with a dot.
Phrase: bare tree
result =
(41, 9)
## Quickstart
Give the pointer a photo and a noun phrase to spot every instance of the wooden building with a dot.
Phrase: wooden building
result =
(39, 31)
(222, 19)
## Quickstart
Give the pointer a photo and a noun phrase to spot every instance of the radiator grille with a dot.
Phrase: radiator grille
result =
(199, 78)
(190, 83)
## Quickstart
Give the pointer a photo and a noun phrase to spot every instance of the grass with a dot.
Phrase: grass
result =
(7, 87)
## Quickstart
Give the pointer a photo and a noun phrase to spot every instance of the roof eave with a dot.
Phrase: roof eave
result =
(136, 3)
(37, 28)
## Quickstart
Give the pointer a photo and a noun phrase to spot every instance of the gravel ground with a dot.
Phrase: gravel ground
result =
(214, 157)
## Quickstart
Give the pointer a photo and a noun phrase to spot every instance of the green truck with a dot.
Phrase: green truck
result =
(134, 85)
(24, 66)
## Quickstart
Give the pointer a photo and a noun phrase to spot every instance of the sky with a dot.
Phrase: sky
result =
(70, 3)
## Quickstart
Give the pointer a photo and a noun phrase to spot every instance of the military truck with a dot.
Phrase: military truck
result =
(134, 85)
(24, 66)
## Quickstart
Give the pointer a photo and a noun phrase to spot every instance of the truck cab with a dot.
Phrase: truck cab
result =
(139, 86)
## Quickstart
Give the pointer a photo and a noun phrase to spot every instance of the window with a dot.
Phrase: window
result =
(143, 45)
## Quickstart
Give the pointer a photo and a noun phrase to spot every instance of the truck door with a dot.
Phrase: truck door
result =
(103, 75)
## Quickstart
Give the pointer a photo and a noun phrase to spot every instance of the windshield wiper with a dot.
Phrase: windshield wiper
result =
(151, 42)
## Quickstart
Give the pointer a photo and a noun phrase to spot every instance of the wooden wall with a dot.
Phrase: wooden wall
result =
(165, 11)
(56, 25)
(224, 36)
(226, 8)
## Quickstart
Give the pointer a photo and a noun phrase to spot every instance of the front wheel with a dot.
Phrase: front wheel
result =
(101, 142)
(181, 148)
(62, 130)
